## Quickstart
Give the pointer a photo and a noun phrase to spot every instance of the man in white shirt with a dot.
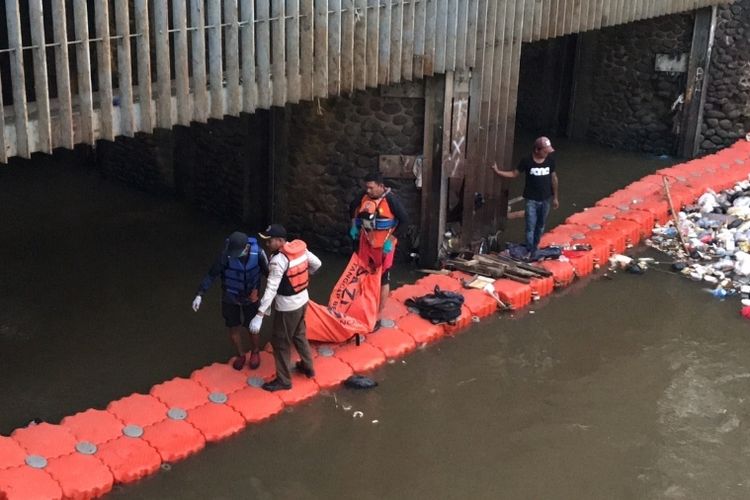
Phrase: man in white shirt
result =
(289, 268)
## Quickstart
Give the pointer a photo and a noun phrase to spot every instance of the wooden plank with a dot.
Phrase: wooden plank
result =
(373, 45)
(293, 78)
(441, 28)
(451, 35)
(104, 71)
(144, 66)
(198, 60)
(503, 16)
(510, 130)
(528, 27)
(247, 64)
(85, 130)
(578, 16)
(513, 21)
(471, 33)
(232, 57)
(397, 30)
(537, 24)
(163, 72)
(553, 15)
(462, 25)
(18, 79)
(359, 72)
(546, 20)
(420, 15)
(278, 57)
(306, 49)
(181, 76)
(430, 28)
(41, 85)
(407, 44)
(215, 59)
(384, 42)
(263, 52)
(3, 141)
(347, 45)
(432, 177)
(695, 93)
(334, 47)
(320, 66)
(570, 18)
(124, 68)
(64, 136)
(475, 160)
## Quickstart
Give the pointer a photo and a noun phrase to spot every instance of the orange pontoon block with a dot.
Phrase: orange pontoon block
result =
(516, 295)
(302, 389)
(216, 421)
(421, 330)
(392, 341)
(182, 393)
(11, 453)
(631, 230)
(463, 321)
(80, 476)
(394, 310)
(128, 458)
(330, 371)
(601, 248)
(406, 292)
(220, 377)
(94, 426)
(138, 409)
(361, 358)
(479, 303)
(542, 287)
(592, 215)
(255, 404)
(24, 483)
(174, 439)
(562, 272)
(46, 440)
(445, 282)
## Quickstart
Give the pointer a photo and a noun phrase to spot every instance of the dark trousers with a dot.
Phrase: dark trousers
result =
(536, 216)
(289, 328)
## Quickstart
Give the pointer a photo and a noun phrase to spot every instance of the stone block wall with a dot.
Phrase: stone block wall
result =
(331, 145)
(631, 103)
(726, 114)
(221, 167)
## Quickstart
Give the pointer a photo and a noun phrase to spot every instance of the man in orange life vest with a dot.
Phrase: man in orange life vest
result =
(376, 215)
(289, 270)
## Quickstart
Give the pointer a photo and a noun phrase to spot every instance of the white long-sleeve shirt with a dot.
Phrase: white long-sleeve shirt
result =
(277, 266)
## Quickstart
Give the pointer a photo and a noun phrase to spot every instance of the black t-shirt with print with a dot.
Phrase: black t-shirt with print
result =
(538, 178)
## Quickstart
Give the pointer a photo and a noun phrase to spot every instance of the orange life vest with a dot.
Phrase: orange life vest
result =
(376, 219)
(296, 277)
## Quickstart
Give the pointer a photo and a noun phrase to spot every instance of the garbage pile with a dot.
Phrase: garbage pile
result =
(711, 241)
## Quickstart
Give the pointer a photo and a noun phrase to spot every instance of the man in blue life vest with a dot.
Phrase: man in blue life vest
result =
(240, 265)
(540, 191)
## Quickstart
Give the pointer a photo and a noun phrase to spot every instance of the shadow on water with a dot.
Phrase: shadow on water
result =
(626, 388)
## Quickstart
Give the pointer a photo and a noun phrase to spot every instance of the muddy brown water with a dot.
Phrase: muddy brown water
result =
(631, 387)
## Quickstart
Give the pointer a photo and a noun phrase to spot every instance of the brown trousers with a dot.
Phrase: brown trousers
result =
(289, 328)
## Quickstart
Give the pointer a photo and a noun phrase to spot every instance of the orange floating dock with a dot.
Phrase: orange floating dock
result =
(87, 453)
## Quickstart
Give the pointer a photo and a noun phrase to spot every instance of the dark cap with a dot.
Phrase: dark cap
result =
(236, 243)
(543, 144)
(273, 231)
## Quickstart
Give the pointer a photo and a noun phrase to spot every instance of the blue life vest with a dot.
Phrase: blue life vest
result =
(240, 279)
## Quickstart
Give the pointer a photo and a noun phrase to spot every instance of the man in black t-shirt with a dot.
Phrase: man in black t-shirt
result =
(540, 191)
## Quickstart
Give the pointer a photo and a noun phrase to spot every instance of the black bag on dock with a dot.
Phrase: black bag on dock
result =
(438, 307)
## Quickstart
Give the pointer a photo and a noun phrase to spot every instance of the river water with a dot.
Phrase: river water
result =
(630, 387)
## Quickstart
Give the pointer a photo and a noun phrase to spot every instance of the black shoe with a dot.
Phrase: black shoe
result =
(276, 385)
(307, 372)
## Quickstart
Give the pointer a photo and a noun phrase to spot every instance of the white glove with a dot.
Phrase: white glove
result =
(197, 302)
(255, 324)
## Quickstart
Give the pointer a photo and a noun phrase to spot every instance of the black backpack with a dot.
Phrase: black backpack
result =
(438, 307)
